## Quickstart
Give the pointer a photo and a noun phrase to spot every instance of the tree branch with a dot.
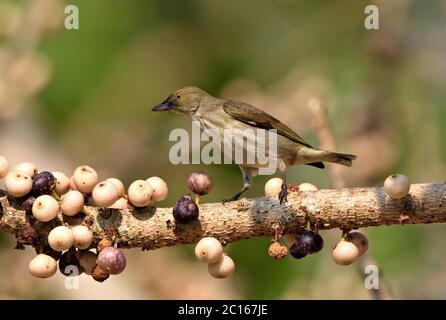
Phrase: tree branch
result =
(152, 228)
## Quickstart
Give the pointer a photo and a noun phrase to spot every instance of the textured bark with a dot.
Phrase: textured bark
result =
(151, 228)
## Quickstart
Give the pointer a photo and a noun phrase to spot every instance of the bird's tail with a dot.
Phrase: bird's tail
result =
(340, 158)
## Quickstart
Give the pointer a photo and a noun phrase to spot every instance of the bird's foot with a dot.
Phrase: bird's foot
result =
(234, 198)
(283, 193)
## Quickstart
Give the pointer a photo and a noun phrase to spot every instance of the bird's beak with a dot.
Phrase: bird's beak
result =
(163, 106)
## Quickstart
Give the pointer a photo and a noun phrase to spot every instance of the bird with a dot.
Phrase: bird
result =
(220, 114)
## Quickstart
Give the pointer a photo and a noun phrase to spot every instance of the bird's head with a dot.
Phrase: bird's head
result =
(184, 101)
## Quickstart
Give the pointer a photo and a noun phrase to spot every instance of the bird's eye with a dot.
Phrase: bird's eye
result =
(179, 96)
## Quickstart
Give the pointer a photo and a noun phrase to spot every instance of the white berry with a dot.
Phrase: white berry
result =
(307, 187)
(223, 268)
(72, 202)
(87, 261)
(359, 240)
(140, 193)
(120, 204)
(105, 194)
(397, 186)
(60, 238)
(85, 178)
(42, 266)
(27, 167)
(159, 187)
(345, 253)
(273, 187)
(208, 250)
(82, 237)
(62, 183)
(4, 166)
(18, 183)
(119, 185)
(45, 208)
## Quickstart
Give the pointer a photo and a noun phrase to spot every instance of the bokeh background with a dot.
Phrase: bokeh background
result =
(72, 97)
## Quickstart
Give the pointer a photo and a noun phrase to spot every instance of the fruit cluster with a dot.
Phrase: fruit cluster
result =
(45, 196)
(48, 196)
(209, 250)
(352, 245)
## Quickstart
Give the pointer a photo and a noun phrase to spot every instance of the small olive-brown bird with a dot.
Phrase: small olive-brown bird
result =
(220, 114)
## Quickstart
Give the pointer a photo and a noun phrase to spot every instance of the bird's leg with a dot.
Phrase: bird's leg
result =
(283, 190)
(246, 185)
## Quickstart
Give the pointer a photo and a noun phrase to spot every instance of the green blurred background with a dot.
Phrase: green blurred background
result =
(71, 97)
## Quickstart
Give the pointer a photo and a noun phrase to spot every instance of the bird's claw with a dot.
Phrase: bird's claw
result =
(283, 194)
(234, 198)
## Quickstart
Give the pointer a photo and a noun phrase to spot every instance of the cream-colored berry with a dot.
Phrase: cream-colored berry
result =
(307, 187)
(360, 240)
(87, 260)
(120, 204)
(60, 238)
(42, 266)
(140, 193)
(273, 187)
(45, 208)
(72, 203)
(208, 250)
(85, 178)
(397, 186)
(82, 237)
(223, 268)
(4, 167)
(119, 185)
(345, 253)
(18, 183)
(159, 187)
(105, 193)
(27, 167)
(62, 183)
(72, 184)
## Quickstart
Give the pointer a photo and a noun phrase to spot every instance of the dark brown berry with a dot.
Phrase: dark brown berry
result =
(27, 206)
(185, 210)
(309, 242)
(43, 183)
(27, 235)
(295, 253)
(69, 264)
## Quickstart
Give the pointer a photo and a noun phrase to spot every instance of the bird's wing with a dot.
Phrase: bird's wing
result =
(257, 118)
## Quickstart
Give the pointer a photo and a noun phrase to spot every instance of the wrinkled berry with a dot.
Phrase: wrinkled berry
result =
(185, 210)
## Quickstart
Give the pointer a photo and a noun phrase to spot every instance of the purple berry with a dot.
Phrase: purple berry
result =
(295, 253)
(309, 242)
(43, 183)
(69, 264)
(186, 210)
(111, 260)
